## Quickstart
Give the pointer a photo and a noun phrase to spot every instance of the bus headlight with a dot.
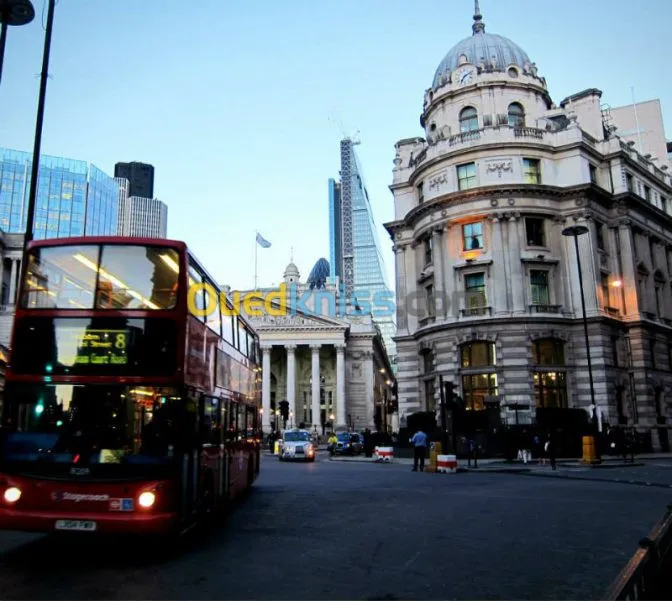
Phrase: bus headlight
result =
(12, 494)
(146, 499)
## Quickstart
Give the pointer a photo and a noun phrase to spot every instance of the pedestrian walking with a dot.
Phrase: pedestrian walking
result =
(419, 442)
(549, 447)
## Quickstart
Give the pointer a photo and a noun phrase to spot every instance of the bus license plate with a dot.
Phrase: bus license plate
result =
(81, 525)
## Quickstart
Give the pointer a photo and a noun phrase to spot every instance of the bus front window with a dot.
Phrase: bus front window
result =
(91, 424)
(113, 276)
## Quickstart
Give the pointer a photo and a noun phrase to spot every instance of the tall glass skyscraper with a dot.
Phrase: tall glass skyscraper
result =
(355, 251)
(74, 198)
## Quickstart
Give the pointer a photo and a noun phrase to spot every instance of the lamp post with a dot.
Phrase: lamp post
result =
(13, 12)
(576, 231)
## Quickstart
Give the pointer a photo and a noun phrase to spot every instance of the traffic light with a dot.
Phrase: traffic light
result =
(284, 410)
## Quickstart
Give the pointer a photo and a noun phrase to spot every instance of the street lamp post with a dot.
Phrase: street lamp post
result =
(13, 12)
(576, 231)
(44, 75)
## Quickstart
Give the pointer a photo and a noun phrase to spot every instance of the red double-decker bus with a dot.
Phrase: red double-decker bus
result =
(125, 409)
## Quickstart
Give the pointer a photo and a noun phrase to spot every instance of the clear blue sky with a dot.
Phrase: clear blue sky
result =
(234, 102)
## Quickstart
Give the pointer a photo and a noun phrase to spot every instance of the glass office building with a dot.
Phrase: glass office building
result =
(355, 251)
(74, 198)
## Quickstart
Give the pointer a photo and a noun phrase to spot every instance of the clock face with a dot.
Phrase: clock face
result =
(464, 75)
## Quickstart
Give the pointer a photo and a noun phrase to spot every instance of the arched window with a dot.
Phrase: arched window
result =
(479, 380)
(549, 377)
(468, 119)
(516, 115)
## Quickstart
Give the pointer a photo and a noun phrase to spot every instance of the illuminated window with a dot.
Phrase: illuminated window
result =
(466, 176)
(478, 354)
(550, 389)
(468, 120)
(474, 288)
(472, 236)
(476, 388)
(548, 351)
(531, 171)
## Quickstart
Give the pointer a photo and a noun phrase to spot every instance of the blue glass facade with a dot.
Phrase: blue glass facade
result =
(355, 251)
(73, 197)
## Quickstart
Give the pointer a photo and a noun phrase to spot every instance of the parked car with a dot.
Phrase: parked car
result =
(297, 445)
(349, 443)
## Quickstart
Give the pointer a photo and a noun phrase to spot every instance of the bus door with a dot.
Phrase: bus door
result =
(211, 448)
(190, 456)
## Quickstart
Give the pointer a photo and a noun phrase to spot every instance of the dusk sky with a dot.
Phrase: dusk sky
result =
(240, 106)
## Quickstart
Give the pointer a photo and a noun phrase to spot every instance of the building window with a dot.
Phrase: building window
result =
(430, 403)
(421, 192)
(478, 354)
(534, 230)
(428, 250)
(429, 300)
(427, 362)
(652, 352)
(539, 286)
(474, 287)
(472, 236)
(593, 173)
(660, 294)
(466, 176)
(604, 284)
(599, 235)
(476, 388)
(647, 194)
(614, 351)
(548, 351)
(468, 119)
(663, 204)
(550, 389)
(516, 115)
(531, 171)
(629, 184)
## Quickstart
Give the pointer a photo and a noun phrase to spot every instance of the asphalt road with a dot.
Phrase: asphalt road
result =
(333, 530)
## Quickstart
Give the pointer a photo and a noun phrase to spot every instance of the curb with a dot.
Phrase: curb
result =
(532, 473)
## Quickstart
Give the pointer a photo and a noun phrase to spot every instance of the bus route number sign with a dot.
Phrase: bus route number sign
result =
(102, 347)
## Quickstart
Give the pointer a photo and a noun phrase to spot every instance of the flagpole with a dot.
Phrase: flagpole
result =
(256, 245)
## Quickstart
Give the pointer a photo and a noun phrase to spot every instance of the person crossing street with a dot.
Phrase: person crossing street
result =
(419, 442)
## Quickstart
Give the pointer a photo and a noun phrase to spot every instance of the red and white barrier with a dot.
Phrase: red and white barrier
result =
(446, 464)
(383, 453)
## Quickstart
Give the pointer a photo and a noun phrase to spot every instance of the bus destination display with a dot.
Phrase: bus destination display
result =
(100, 347)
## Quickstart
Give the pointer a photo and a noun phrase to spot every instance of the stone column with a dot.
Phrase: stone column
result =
(628, 274)
(499, 279)
(588, 267)
(266, 388)
(291, 379)
(440, 294)
(369, 383)
(518, 282)
(340, 386)
(400, 272)
(12, 282)
(315, 385)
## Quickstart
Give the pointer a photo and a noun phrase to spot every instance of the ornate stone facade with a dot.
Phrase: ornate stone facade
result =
(488, 289)
(332, 369)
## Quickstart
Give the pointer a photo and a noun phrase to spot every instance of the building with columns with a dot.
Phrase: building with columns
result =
(329, 365)
(488, 287)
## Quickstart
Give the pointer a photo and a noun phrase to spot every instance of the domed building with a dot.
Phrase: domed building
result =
(509, 212)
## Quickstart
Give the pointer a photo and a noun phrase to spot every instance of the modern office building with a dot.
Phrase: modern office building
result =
(485, 207)
(74, 198)
(356, 257)
(143, 218)
(140, 178)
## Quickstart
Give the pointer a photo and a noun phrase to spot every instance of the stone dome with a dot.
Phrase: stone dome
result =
(495, 52)
(291, 273)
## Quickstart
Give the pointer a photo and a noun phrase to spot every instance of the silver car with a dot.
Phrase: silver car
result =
(297, 445)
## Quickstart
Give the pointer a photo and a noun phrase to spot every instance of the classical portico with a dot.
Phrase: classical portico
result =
(329, 368)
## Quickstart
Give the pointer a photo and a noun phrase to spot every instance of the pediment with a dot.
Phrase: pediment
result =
(294, 319)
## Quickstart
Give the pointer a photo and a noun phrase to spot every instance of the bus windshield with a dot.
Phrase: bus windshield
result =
(93, 276)
(89, 424)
